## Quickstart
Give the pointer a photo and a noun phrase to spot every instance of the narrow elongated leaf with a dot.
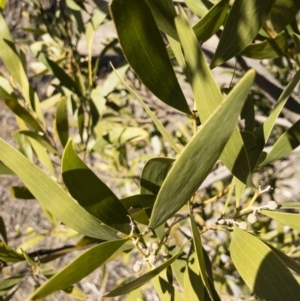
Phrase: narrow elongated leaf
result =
(4, 170)
(154, 173)
(197, 7)
(164, 13)
(157, 123)
(286, 143)
(3, 230)
(210, 23)
(51, 196)
(200, 154)
(145, 51)
(243, 23)
(128, 287)
(7, 284)
(283, 12)
(91, 193)
(61, 121)
(7, 254)
(268, 49)
(23, 113)
(289, 219)
(263, 132)
(79, 268)
(262, 270)
(208, 96)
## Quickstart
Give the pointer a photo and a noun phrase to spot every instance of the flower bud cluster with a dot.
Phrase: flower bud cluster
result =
(149, 256)
(271, 205)
(230, 222)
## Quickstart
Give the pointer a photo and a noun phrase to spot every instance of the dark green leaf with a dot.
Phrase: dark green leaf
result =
(154, 173)
(7, 284)
(200, 154)
(268, 49)
(51, 196)
(7, 254)
(61, 120)
(262, 270)
(138, 201)
(128, 287)
(91, 193)
(3, 229)
(79, 268)
(243, 23)
(283, 12)
(21, 192)
(145, 51)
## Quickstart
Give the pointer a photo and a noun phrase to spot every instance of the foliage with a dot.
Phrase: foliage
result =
(166, 220)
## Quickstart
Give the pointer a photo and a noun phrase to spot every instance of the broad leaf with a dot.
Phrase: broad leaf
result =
(91, 193)
(200, 154)
(51, 196)
(289, 219)
(79, 268)
(138, 201)
(262, 270)
(154, 173)
(243, 23)
(286, 143)
(138, 282)
(268, 49)
(208, 96)
(145, 51)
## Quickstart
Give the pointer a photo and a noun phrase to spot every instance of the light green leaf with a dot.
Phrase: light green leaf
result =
(51, 196)
(197, 7)
(79, 268)
(283, 12)
(164, 13)
(4, 170)
(7, 284)
(7, 254)
(165, 290)
(268, 49)
(261, 269)
(121, 135)
(289, 219)
(145, 51)
(200, 154)
(154, 173)
(208, 96)
(61, 121)
(290, 205)
(286, 143)
(91, 193)
(138, 282)
(243, 23)
(2, 4)
(263, 132)
(158, 124)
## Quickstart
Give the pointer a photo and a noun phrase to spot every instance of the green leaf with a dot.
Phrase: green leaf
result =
(263, 132)
(243, 23)
(41, 139)
(23, 113)
(268, 49)
(157, 123)
(199, 256)
(21, 192)
(286, 143)
(51, 196)
(200, 154)
(61, 121)
(7, 254)
(154, 173)
(211, 22)
(7, 284)
(79, 268)
(165, 290)
(121, 135)
(208, 97)
(91, 193)
(164, 13)
(145, 51)
(3, 230)
(138, 201)
(197, 7)
(261, 269)
(4, 170)
(138, 282)
(283, 12)
(2, 4)
(289, 219)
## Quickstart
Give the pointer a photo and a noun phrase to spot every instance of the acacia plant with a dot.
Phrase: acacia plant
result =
(170, 229)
